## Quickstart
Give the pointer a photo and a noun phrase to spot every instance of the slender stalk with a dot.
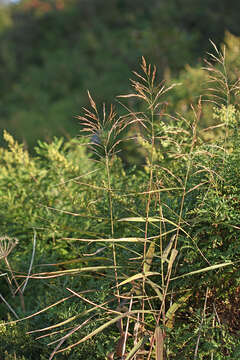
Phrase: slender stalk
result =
(16, 283)
(189, 164)
(109, 193)
(110, 199)
(150, 184)
(228, 99)
(9, 306)
(194, 139)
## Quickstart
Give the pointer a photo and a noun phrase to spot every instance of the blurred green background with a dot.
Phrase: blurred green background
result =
(52, 51)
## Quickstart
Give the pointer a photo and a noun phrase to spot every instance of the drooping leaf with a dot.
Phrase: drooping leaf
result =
(149, 257)
(174, 307)
(168, 248)
(134, 350)
(138, 276)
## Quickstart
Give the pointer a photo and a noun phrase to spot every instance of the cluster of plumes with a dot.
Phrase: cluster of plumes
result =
(7, 244)
(104, 130)
(221, 90)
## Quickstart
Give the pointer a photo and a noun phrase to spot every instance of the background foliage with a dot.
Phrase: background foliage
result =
(52, 51)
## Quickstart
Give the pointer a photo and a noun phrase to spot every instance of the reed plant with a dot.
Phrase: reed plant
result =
(162, 235)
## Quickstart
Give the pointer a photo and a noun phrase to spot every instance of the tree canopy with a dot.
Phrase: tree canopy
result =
(52, 51)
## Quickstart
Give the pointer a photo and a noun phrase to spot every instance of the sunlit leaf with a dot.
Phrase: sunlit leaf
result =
(208, 268)
(136, 347)
(174, 307)
(138, 276)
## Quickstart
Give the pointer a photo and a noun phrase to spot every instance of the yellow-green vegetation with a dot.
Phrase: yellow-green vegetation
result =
(104, 261)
